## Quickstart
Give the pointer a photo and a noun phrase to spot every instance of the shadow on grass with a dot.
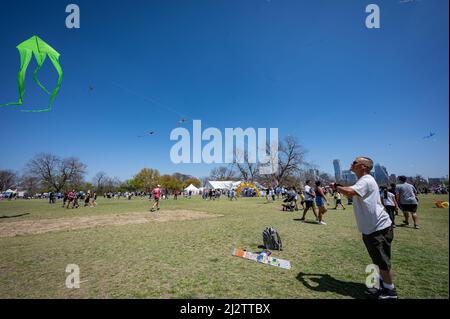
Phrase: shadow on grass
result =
(326, 283)
(13, 216)
(403, 226)
(305, 221)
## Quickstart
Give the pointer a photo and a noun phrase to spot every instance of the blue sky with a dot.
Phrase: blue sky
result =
(310, 68)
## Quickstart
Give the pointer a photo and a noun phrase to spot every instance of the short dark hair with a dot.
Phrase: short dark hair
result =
(317, 183)
(402, 178)
(308, 181)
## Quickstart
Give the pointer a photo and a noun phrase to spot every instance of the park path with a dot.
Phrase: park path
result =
(41, 226)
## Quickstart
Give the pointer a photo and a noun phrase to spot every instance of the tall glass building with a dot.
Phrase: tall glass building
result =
(337, 170)
(381, 175)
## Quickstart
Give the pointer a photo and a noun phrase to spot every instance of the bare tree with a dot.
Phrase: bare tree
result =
(30, 184)
(291, 157)
(56, 173)
(8, 179)
(108, 184)
(204, 180)
(222, 173)
(326, 178)
(248, 169)
(99, 181)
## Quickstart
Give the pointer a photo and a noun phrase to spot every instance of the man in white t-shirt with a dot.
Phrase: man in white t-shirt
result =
(373, 222)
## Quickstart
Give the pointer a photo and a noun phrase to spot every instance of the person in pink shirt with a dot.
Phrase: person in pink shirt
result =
(156, 196)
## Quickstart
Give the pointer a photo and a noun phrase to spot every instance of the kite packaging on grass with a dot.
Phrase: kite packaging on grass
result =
(262, 258)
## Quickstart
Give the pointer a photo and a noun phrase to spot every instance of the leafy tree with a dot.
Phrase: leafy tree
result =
(194, 181)
(170, 183)
(146, 179)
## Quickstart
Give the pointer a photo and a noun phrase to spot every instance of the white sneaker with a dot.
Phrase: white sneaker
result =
(322, 223)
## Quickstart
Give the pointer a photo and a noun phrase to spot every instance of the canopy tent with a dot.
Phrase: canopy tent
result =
(222, 184)
(193, 189)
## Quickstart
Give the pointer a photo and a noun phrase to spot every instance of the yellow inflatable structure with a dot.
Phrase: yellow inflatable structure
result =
(247, 185)
(442, 204)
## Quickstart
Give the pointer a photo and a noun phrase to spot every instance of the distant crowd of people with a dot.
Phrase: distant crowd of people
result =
(231, 194)
(72, 198)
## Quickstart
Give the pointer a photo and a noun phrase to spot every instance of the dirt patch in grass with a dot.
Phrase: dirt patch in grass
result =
(41, 226)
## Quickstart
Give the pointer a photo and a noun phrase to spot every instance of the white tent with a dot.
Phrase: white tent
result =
(222, 184)
(193, 189)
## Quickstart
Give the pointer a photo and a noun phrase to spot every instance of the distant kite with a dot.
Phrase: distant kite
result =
(148, 134)
(40, 49)
(91, 88)
(183, 120)
(429, 136)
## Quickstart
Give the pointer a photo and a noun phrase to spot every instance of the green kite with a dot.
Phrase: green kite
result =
(41, 50)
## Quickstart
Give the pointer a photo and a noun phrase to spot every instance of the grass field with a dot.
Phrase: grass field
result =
(191, 258)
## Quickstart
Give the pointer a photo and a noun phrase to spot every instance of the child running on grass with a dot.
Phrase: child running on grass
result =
(156, 195)
(338, 199)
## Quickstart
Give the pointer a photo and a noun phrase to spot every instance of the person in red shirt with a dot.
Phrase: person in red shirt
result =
(156, 195)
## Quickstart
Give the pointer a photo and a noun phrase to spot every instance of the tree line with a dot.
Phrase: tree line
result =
(293, 169)
(48, 172)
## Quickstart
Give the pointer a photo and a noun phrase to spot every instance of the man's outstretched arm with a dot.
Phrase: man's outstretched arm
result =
(346, 190)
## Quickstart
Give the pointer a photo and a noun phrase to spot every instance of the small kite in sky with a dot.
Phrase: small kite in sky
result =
(91, 88)
(148, 134)
(429, 136)
(183, 120)
(35, 46)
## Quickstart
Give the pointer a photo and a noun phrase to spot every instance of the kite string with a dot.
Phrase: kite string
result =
(147, 99)
(153, 101)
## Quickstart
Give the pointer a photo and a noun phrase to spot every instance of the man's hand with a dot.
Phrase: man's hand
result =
(335, 185)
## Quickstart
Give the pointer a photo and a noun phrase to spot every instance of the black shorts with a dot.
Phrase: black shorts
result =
(410, 208)
(378, 245)
(309, 203)
(338, 201)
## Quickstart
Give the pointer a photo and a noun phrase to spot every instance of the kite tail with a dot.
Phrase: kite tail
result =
(25, 57)
(36, 79)
(55, 62)
(11, 103)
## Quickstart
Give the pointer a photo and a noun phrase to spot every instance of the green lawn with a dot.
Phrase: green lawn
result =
(192, 259)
